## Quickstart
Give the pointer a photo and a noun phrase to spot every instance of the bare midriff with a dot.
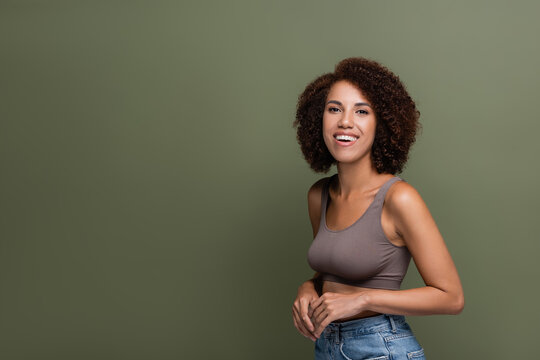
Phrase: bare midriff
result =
(330, 286)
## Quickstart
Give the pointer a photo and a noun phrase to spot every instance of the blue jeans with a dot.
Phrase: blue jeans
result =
(380, 337)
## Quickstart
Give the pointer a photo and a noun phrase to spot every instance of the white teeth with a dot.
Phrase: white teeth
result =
(345, 137)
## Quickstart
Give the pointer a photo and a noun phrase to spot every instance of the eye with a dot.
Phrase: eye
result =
(363, 112)
(333, 109)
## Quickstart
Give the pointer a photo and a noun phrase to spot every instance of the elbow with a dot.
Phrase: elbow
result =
(458, 304)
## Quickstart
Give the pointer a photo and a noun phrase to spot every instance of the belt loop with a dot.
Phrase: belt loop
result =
(392, 323)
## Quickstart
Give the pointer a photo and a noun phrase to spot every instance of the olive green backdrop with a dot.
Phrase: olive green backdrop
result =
(153, 196)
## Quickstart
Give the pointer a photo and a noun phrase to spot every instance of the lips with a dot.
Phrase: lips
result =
(346, 133)
(345, 140)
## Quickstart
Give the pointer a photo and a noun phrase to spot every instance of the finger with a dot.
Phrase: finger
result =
(298, 322)
(316, 316)
(318, 301)
(320, 319)
(320, 323)
(311, 308)
(300, 325)
(299, 317)
(304, 315)
(317, 312)
(296, 305)
(323, 325)
(297, 326)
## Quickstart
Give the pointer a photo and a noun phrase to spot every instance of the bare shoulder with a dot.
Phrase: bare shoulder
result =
(402, 194)
(407, 208)
(314, 203)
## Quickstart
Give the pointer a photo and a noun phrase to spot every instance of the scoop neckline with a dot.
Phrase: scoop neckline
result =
(362, 216)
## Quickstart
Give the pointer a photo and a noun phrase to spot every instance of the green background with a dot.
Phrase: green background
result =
(153, 196)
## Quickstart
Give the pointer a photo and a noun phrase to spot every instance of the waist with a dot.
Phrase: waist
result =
(388, 283)
(365, 325)
(362, 315)
(335, 287)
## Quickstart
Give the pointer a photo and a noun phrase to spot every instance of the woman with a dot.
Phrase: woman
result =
(367, 222)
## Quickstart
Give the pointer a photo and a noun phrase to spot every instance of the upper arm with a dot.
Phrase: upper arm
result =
(314, 204)
(418, 229)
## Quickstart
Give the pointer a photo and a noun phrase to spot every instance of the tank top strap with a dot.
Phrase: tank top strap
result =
(379, 197)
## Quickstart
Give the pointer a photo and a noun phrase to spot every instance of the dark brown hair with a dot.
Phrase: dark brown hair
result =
(395, 111)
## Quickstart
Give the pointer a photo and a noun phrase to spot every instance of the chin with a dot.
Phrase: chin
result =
(350, 159)
(346, 160)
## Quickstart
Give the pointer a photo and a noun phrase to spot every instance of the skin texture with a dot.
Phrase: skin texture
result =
(405, 218)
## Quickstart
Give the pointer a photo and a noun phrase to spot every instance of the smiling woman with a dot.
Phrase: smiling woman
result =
(367, 222)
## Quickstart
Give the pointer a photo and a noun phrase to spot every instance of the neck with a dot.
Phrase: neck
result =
(356, 178)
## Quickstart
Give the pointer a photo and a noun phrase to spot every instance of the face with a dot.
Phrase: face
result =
(348, 123)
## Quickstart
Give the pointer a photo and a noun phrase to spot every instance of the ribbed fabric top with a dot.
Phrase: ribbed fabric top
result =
(361, 254)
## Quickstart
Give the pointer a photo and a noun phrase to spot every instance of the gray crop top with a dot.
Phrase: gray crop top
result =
(361, 254)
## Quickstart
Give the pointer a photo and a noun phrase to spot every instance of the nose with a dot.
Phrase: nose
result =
(346, 120)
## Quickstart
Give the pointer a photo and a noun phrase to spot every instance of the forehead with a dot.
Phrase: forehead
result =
(345, 91)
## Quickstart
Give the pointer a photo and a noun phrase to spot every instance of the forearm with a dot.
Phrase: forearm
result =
(426, 300)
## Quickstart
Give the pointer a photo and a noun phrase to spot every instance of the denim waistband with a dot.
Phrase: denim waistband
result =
(366, 325)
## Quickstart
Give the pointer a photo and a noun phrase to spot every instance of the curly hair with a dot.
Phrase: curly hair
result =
(395, 111)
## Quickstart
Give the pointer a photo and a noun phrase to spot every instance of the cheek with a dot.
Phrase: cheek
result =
(327, 140)
(324, 121)
(370, 127)
(326, 128)
(371, 137)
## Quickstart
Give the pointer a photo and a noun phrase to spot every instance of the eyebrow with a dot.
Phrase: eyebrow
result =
(339, 103)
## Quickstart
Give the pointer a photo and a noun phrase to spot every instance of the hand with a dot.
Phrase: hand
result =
(306, 295)
(332, 306)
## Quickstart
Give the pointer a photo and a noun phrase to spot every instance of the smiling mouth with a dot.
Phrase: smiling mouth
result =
(345, 138)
